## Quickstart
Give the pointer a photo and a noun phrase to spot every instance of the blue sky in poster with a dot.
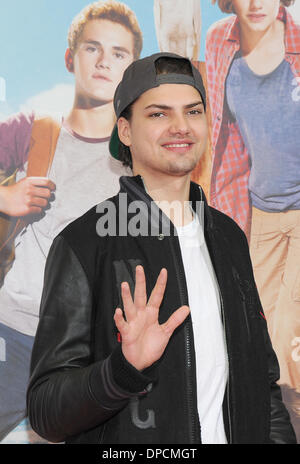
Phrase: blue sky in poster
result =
(33, 41)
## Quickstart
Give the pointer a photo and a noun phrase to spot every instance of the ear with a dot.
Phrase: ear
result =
(124, 131)
(69, 61)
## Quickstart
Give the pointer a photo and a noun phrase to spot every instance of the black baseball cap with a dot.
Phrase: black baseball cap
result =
(141, 76)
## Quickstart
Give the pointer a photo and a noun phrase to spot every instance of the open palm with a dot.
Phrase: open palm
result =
(143, 338)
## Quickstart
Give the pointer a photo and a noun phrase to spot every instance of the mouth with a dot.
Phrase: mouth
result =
(178, 147)
(256, 17)
(100, 77)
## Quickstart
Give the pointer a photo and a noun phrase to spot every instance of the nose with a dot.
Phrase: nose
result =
(102, 60)
(255, 4)
(179, 125)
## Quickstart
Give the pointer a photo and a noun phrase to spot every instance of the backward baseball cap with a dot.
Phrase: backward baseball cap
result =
(141, 76)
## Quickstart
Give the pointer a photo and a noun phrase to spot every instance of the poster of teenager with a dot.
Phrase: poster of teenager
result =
(58, 74)
(253, 63)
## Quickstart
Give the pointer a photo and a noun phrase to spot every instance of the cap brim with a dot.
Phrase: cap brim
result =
(114, 143)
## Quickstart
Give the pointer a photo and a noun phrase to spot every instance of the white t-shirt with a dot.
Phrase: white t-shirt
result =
(209, 337)
(85, 174)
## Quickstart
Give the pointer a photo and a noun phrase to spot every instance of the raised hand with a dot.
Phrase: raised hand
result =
(143, 338)
(30, 195)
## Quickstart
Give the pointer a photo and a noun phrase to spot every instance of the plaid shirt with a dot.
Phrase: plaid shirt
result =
(230, 158)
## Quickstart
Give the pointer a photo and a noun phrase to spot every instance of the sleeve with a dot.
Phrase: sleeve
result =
(15, 133)
(281, 429)
(210, 66)
(68, 393)
(209, 48)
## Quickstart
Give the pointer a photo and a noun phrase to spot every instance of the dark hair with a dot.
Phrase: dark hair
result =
(163, 65)
(227, 7)
(124, 153)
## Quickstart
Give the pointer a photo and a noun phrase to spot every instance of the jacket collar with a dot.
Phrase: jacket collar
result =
(134, 188)
(291, 31)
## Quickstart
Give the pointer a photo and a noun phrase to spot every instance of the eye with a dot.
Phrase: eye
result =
(196, 111)
(91, 49)
(157, 114)
(119, 56)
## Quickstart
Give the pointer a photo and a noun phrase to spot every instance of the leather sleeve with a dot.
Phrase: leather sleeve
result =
(281, 429)
(68, 394)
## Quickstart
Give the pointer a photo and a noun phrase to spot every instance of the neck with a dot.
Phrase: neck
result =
(259, 41)
(171, 196)
(91, 120)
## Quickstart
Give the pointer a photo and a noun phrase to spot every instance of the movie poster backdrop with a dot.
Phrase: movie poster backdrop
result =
(33, 77)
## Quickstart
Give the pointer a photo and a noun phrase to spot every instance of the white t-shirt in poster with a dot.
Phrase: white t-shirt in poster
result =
(85, 174)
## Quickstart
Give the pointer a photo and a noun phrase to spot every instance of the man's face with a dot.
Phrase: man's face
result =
(104, 51)
(167, 132)
(256, 15)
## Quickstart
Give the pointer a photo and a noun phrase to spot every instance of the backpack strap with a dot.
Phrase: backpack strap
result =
(44, 135)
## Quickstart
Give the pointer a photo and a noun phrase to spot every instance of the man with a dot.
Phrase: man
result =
(253, 61)
(147, 372)
(103, 40)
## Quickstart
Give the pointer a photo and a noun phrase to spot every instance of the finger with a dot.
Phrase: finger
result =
(140, 294)
(31, 210)
(41, 192)
(175, 320)
(37, 201)
(158, 291)
(129, 307)
(42, 182)
(120, 321)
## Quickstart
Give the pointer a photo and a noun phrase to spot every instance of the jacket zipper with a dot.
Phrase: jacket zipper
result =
(187, 352)
(228, 358)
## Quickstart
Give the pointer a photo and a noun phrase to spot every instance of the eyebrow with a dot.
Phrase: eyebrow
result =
(115, 47)
(166, 107)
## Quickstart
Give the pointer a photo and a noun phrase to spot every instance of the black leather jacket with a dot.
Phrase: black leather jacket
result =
(82, 389)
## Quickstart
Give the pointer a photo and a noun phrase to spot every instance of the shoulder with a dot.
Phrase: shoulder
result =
(18, 119)
(229, 228)
(292, 26)
(231, 238)
(17, 125)
(15, 134)
(220, 28)
(82, 240)
(81, 234)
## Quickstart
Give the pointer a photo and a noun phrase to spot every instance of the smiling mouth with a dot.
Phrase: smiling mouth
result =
(179, 148)
(177, 145)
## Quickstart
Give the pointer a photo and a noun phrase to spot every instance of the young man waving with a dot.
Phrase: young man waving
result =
(151, 329)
